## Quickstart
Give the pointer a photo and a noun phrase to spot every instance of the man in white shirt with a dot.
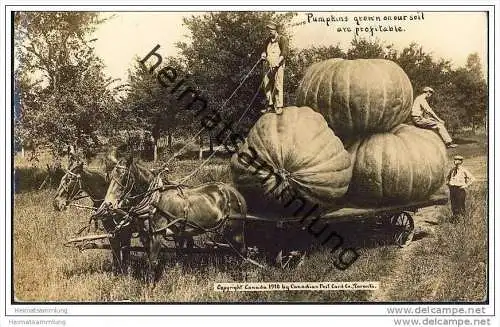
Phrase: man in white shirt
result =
(458, 180)
(423, 116)
(70, 149)
(274, 53)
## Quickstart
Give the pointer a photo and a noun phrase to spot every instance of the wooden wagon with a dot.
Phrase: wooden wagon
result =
(279, 232)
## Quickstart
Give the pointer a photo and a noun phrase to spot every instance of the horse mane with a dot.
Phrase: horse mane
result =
(143, 171)
(94, 172)
(96, 181)
(90, 171)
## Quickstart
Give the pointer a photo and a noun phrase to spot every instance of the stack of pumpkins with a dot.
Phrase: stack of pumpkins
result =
(344, 140)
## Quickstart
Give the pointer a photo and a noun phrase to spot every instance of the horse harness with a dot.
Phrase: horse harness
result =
(76, 194)
(148, 207)
(141, 214)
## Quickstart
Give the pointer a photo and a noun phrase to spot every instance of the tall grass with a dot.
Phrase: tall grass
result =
(30, 175)
(449, 265)
(452, 265)
(45, 270)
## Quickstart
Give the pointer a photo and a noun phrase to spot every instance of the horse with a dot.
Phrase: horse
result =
(54, 170)
(79, 179)
(174, 210)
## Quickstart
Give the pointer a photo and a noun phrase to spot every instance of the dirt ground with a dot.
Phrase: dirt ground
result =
(428, 222)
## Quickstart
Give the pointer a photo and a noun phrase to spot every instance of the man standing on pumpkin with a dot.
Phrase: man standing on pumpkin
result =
(274, 54)
(423, 116)
(458, 180)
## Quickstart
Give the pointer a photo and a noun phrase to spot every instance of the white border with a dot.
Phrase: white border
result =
(123, 310)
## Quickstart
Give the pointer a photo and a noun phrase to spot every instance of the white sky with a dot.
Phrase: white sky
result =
(449, 35)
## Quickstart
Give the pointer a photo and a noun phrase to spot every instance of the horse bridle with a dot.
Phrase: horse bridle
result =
(74, 192)
(130, 177)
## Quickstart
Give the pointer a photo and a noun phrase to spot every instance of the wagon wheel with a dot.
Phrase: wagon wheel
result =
(404, 228)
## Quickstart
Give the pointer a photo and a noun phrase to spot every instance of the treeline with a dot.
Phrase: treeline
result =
(63, 97)
(461, 93)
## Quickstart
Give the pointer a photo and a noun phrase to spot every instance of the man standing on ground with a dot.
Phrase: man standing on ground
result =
(458, 180)
(275, 53)
(423, 116)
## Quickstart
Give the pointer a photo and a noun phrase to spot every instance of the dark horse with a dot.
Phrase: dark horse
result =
(79, 180)
(172, 210)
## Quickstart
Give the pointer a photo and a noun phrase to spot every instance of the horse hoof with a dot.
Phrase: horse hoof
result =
(301, 261)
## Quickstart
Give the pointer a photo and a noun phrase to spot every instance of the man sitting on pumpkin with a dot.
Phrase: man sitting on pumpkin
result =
(423, 116)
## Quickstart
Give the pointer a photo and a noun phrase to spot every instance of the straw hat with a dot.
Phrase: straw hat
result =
(428, 89)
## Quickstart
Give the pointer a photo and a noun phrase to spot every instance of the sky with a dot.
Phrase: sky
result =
(448, 35)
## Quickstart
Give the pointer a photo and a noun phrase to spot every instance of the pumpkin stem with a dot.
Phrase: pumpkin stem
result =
(282, 190)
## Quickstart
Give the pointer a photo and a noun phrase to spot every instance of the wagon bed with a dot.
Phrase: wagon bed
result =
(351, 211)
(396, 217)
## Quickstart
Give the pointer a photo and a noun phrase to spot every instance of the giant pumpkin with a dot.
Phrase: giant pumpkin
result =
(293, 155)
(403, 165)
(357, 96)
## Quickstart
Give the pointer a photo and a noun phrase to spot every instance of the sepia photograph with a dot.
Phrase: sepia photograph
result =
(250, 156)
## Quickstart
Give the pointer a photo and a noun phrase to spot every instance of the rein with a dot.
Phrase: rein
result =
(72, 194)
(149, 191)
(75, 194)
(146, 193)
(130, 177)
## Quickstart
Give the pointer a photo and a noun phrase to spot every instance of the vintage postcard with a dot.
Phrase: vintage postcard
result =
(235, 155)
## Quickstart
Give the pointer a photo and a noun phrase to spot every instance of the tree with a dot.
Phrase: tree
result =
(224, 47)
(150, 106)
(362, 48)
(424, 70)
(472, 90)
(64, 95)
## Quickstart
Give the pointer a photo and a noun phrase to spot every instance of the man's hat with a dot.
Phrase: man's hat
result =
(428, 89)
(272, 26)
(458, 158)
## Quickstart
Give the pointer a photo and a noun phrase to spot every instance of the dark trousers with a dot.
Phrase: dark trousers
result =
(457, 199)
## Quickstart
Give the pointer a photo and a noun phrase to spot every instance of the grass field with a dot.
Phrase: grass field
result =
(446, 262)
